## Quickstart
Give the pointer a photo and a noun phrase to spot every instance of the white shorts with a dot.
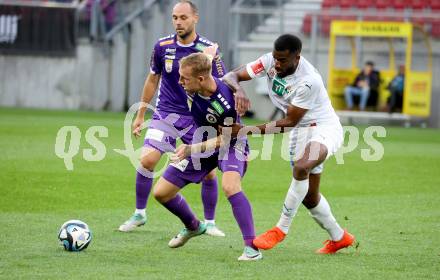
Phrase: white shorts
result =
(329, 135)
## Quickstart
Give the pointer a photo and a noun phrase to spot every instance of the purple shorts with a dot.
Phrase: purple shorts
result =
(193, 170)
(164, 129)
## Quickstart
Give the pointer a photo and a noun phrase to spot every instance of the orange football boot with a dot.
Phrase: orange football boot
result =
(269, 239)
(332, 247)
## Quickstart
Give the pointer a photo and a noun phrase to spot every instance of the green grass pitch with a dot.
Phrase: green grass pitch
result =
(392, 206)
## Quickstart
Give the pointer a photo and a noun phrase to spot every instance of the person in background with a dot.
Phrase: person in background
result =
(395, 101)
(366, 82)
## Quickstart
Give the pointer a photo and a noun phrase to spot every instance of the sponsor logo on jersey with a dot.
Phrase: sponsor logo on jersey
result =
(216, 105)
(169, 65)
(181, 165)
(167, 42)
(200, 47)
(211, 118)
(219, 66)
(257, 67)
(170, 51)
(278, 88)
(213, 112)
(271, 73)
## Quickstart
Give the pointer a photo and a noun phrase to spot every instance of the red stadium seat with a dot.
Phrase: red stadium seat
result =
(325, 24)
(401, 4)
(330, 4)
(434, 5)
(345, 4)
(419, 4)
(364, 4)
(307, 25)
(435, 30)
(384, 4)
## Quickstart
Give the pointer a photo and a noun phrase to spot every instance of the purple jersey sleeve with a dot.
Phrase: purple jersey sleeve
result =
(156, 61)
(218, 67)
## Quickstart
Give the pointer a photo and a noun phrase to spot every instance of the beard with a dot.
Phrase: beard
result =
(185, 34)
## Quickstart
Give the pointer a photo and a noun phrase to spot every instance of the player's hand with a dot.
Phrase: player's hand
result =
(242, 103)
(137, 126)
(211, 50)
(181, 153)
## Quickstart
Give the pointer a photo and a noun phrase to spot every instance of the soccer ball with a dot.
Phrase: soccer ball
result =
(75, 235)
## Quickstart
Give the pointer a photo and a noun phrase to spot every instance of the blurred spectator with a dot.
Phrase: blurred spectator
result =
(396, 86)
(108, 8)
(366, 84)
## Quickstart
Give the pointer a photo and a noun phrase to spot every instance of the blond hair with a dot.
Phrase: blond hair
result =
(201, 64)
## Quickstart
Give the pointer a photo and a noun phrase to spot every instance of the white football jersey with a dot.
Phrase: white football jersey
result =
(304, 89)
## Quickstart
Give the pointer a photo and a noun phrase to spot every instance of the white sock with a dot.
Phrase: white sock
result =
(295, 196)
(140, 211)
(322, 214)
(210, 222)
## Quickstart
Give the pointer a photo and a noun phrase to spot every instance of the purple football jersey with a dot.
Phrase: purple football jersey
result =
(218, 109)
(165, 61)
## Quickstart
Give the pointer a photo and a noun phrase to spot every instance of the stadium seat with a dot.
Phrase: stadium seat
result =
(434, 5)
(307, 25)
(419, 4)
(435, 28)
(346, 4)
(364, 4)
(384, 4)
(327, 4)
(400, 4)
(325, 25)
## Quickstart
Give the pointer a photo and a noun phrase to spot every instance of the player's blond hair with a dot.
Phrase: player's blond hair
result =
(201, 64)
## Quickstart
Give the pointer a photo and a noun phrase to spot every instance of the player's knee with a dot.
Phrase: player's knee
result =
(148, 163)
(301, 170)
(231, 188)
(211, 176)
(160, 195)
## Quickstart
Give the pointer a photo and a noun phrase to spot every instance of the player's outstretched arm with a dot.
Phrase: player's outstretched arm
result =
(293, 116)
(184, 150)
(232, 79)
(150, 87)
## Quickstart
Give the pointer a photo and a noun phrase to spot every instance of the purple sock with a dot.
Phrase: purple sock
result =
(243, 215)
(143, 188)
(209, 198)
(181, 209)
